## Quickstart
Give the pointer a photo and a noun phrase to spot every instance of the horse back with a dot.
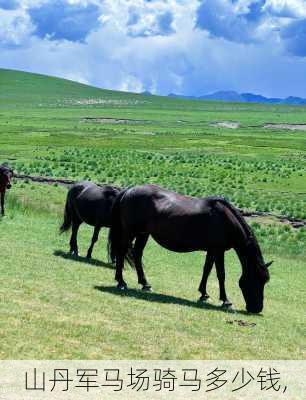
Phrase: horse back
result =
(92, 203)
(177, 222)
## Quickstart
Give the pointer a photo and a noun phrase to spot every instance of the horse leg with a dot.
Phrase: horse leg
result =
(119, 276)
(221, 278)
(209, 262)
(124, 246)
(2, 203)
(73, 240)
(141, 241)
(94, 239)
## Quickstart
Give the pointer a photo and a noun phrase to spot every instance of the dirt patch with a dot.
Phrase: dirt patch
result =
(240, 322)
(112, 121)
(45, 180)
(116, 102)
(295, 223)
(290, 127)
(226, 124)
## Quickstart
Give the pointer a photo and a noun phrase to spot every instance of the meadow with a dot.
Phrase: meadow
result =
(57, 307)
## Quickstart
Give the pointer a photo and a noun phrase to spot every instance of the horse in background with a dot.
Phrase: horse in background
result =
(6, 175)
(184, 224)
(89, 203)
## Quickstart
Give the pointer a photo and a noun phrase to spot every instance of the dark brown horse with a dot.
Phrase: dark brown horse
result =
(6, 175)
(184, 224)
(89, 203)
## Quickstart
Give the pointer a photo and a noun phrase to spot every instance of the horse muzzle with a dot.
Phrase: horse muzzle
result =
(8, 186)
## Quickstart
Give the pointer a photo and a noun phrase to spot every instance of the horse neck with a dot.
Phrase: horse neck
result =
(246, 252)
(242, 255)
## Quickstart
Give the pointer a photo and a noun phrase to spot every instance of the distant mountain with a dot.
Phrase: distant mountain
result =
(146, 93)
(232, 96)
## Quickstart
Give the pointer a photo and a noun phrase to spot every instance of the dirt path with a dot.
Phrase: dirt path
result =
(110, 120)
(42, 179)
(290, 127)
(226, 124)
(295, 223)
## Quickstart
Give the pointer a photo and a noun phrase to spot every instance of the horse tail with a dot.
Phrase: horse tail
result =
(66, 225)
(115, 234)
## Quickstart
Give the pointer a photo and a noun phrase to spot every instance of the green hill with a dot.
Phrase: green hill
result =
(24, 89)
(28, 89)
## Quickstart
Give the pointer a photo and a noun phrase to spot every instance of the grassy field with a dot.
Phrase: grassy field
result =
(57, 307)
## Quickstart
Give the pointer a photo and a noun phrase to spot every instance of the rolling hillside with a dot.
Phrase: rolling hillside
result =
(28, 89)
(25, 89)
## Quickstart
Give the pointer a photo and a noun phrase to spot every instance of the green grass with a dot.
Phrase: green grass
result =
(166, 141)
(56, 307)
(53, 308)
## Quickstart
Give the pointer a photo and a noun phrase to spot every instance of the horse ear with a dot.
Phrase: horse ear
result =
(268, 264)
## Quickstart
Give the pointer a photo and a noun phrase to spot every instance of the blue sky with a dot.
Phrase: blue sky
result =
(190, 47)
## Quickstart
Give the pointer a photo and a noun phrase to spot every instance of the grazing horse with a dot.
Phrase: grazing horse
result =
(184, 224)
(89, 203)
(6, 175)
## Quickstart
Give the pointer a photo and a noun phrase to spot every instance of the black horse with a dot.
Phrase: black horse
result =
(6, 175)
(89, 203)
(184, 224)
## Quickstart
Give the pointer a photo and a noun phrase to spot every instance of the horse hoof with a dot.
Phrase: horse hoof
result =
(204, 298)
(122, 286)
(147, 288)
(227, 305)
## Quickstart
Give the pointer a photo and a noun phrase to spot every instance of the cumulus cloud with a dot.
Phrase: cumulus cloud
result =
(255, 10)
(280, 22)
(286, 8)
(295, 37)
(290, 20)
(9, 4)
(15, 28)
(60, 19)
(234, 20)
(184, 46)
(159, 24)
(143, 18)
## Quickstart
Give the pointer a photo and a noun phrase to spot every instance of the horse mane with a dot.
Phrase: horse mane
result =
(5, 168)
(252, 243)
(246, 227)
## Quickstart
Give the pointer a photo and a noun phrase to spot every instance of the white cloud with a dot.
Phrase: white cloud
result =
(286, 8)
(15, 27)
(184, 59)
(148, 18)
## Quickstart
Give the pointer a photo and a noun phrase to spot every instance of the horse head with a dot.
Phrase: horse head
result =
(6, 175)
(252, 285)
